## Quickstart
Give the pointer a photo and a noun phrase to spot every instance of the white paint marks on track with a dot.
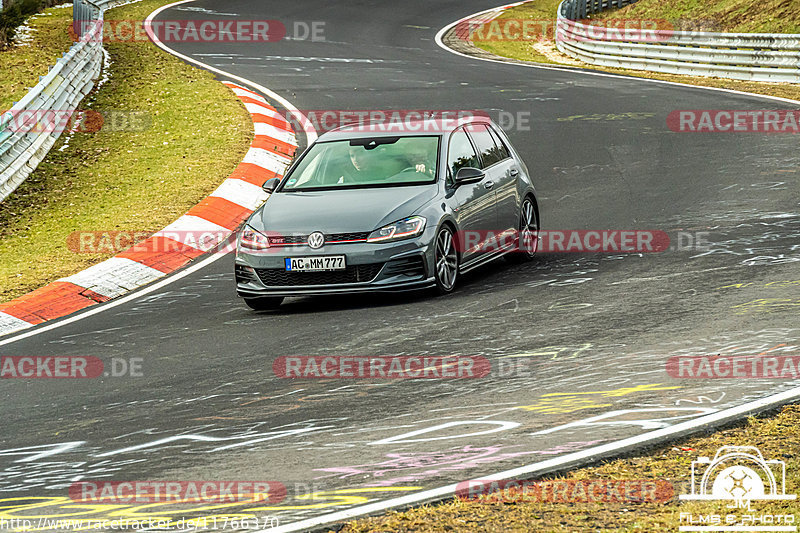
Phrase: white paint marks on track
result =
(570, 460)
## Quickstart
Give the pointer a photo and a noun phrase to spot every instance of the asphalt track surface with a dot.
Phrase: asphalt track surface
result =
(594, 329)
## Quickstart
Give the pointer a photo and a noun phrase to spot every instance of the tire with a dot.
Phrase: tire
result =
(265, 303)
(445, 261)
(527, 244)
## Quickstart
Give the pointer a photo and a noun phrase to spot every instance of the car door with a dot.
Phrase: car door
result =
(474, 207)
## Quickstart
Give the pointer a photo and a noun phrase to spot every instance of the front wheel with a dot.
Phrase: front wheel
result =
(265, 303)
(528, 241)
(445, 261)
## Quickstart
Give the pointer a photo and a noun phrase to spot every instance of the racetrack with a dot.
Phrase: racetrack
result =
(595, 329)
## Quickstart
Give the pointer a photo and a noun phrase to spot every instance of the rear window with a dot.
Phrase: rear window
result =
(502, 151)
(489, 152)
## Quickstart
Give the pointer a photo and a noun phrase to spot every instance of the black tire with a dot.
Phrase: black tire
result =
(445, 263)
(265, 303)
(528, 242)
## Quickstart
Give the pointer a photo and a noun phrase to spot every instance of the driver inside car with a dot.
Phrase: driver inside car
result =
(420, 158)
(361, 168)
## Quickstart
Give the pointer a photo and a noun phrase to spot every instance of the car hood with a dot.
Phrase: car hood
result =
(340, 211)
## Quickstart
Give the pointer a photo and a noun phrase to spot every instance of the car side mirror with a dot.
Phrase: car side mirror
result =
(468, 175)
(270, 185)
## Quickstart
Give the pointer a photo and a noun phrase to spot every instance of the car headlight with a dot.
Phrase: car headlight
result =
(402, 229)
(250, 239)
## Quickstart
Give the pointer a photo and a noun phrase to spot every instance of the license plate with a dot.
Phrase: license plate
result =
(313, 264)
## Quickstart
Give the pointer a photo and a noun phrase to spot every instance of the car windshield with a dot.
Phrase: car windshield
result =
(368, 162)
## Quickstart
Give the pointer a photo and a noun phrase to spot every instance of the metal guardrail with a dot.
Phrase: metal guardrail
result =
(31, 127)
(771, 57)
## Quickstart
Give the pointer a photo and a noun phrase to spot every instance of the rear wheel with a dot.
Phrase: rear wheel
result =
(264, 303)
(528, 233)
(445, 261)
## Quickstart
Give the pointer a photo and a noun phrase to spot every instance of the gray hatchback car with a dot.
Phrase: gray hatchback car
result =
(376, 209)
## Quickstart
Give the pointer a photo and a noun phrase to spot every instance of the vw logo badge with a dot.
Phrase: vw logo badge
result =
(316, 240)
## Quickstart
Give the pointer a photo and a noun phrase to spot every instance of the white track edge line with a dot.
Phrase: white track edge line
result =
(550, 464)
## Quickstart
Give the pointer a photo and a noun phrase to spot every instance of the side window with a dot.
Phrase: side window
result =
(502, 151)
(485, 143)
(460, 153)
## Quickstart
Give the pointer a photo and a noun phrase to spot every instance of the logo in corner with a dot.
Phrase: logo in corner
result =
(316, 240)
(738, 473)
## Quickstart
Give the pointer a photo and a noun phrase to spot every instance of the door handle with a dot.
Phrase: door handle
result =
(514, 172)
(488, 185)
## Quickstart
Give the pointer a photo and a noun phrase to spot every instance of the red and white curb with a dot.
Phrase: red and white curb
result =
(219, 214)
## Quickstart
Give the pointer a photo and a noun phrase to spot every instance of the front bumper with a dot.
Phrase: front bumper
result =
(371, 267)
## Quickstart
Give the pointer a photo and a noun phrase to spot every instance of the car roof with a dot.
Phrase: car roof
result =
(405, 128)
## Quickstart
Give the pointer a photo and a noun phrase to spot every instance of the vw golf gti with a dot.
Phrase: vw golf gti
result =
(380, 210)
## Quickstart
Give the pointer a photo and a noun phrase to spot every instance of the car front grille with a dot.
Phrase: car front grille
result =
(291, 240)
(278, 277)
(354, 236)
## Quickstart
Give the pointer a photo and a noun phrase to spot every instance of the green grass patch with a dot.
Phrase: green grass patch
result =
(542, 16)
(777, 437)
(124, 180)
(21, 65)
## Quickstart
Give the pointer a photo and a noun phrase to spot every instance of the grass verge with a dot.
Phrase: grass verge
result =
(22, 64)
(725, 15)
(777, 437)
(123, 180)
(536, 45)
